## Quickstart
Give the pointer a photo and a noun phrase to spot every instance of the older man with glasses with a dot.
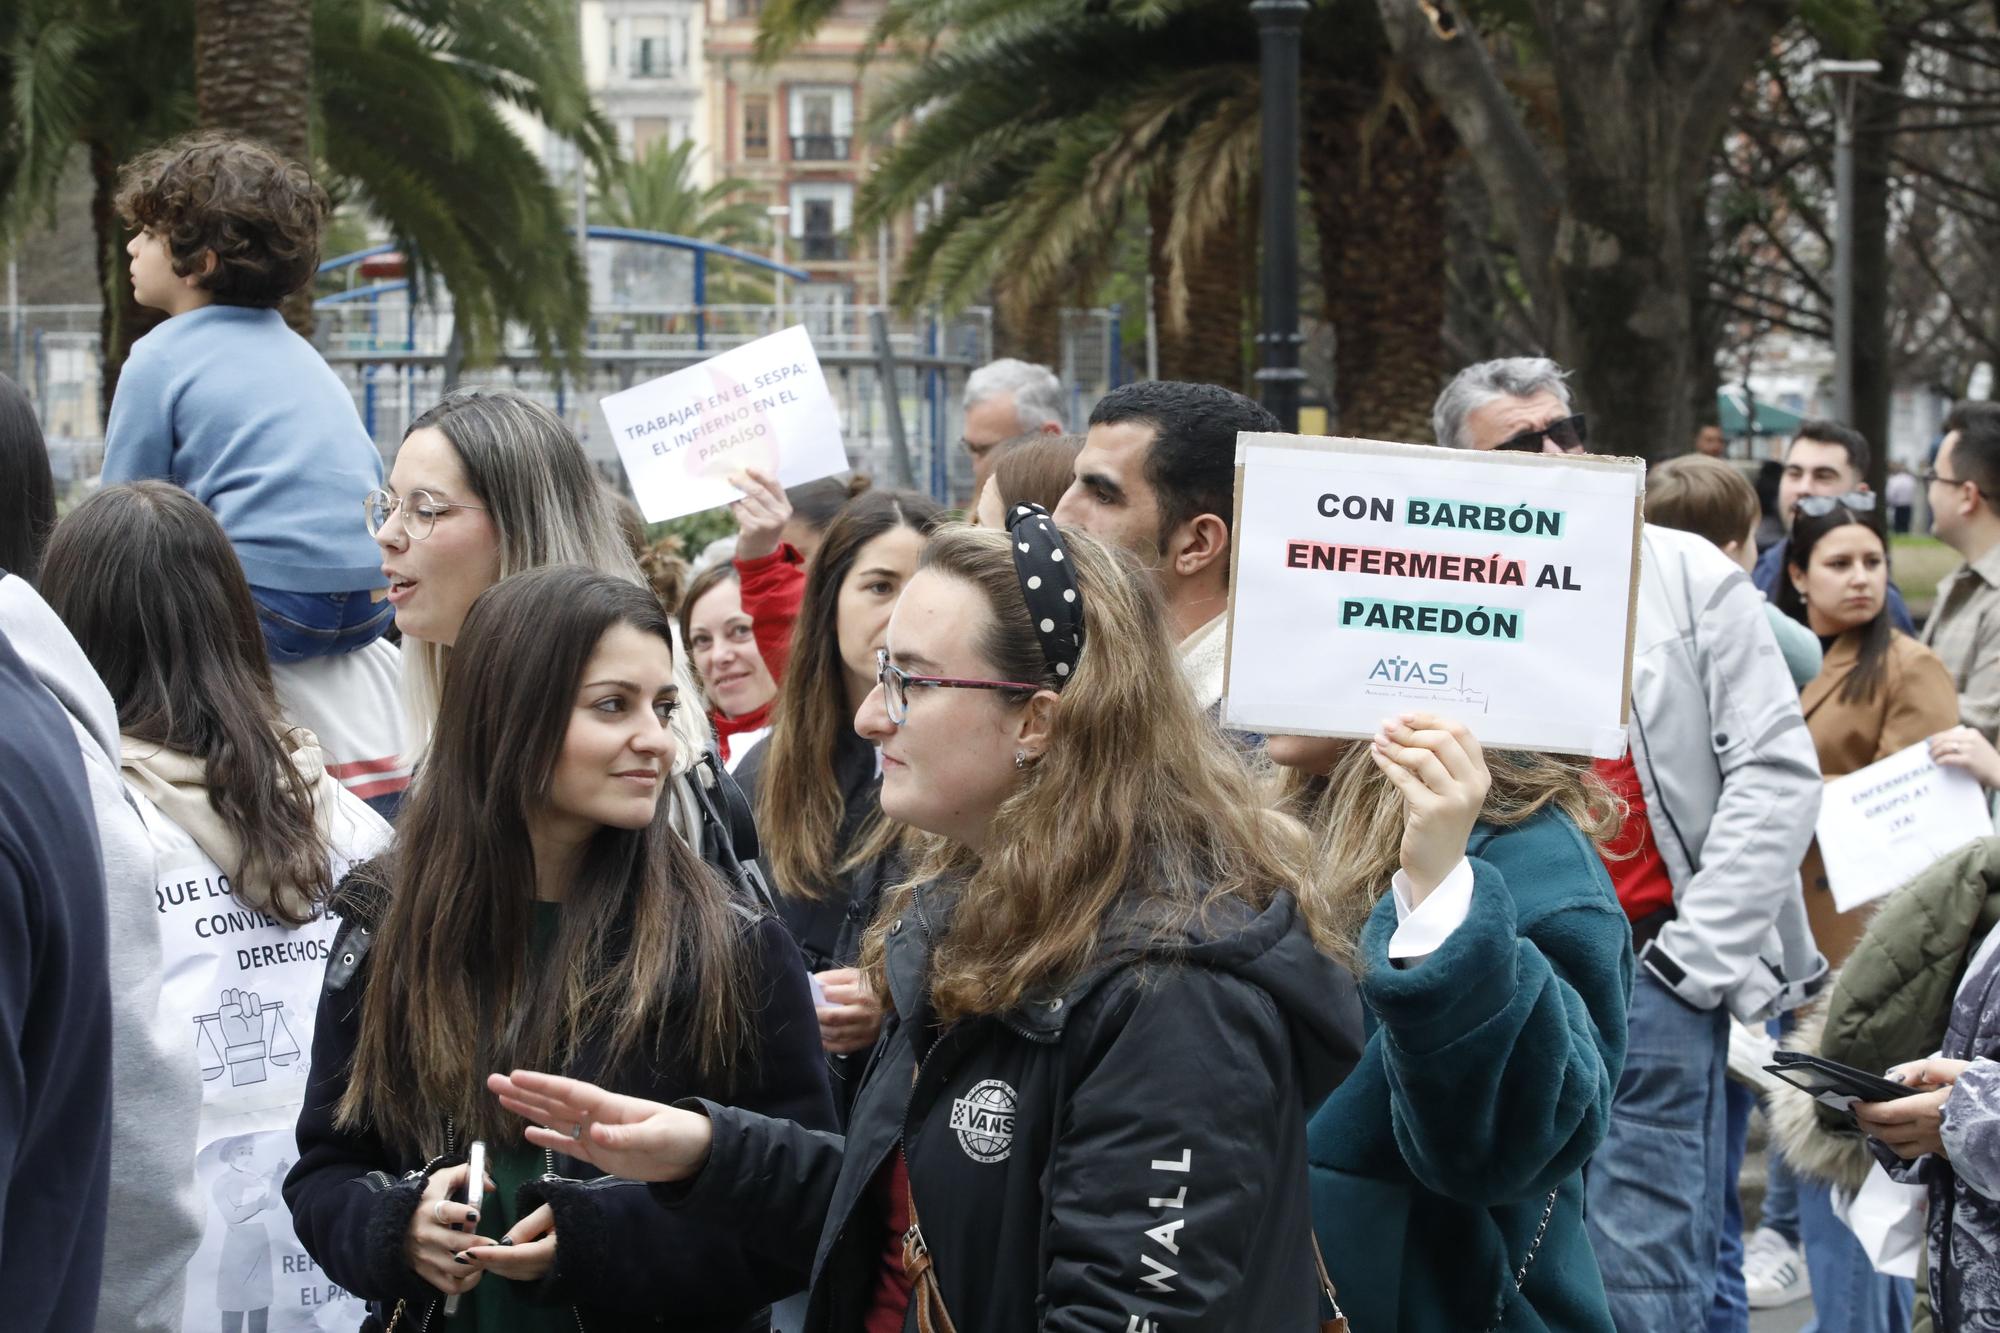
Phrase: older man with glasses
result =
(1963, 490)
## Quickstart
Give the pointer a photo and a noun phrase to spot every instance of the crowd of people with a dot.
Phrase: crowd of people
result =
(426, 904)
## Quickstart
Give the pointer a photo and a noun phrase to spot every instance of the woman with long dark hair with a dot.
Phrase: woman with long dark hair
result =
(816, 783)
(1112, 1008)
(537, 905)
(1878, 690)
(248, 832)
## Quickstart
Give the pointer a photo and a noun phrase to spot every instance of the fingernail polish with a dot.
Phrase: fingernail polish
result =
(471, 1218)
(460, 1259)
(506, 1240)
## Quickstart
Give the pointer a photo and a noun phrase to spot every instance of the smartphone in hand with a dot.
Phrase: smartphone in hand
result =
(475, 1190)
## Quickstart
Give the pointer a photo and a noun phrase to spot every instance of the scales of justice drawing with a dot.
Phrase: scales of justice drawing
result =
(246, 1035)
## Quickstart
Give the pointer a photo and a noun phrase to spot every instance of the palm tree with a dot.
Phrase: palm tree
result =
(253, 76)
(1047, 121)
(656, 191)
(404, 103)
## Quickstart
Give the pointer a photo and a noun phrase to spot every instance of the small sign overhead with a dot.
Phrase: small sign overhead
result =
(764, 405)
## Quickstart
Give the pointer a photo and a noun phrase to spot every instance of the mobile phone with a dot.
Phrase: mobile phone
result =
(475, 1189)
(1834, 1084)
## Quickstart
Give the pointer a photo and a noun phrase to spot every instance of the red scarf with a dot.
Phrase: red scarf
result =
(725, 727)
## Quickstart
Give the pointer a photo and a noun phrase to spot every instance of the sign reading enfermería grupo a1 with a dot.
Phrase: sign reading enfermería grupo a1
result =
(1370, 579)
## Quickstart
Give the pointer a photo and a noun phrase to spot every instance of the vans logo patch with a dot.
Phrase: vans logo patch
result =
(984, 1119)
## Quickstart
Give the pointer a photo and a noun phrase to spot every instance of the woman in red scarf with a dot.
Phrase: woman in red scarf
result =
(737, 618)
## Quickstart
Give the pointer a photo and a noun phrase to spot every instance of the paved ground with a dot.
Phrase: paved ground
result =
(1790, 1319)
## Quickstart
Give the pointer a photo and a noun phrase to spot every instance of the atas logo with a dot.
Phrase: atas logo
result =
(984, 1119)
(1409, 671)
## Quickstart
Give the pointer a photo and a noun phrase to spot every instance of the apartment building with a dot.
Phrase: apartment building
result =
(791, 129)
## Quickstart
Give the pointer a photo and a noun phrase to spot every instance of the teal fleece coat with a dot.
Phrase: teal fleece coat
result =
(1486, 1084)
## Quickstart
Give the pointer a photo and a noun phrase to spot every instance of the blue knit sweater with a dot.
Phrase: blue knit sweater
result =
(229, 403)
(1485, 1085)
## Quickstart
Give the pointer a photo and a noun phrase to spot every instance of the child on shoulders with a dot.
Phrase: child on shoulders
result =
(226, 401)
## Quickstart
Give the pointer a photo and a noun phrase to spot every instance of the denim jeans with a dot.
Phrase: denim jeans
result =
(300, 625)
(1655, 1186)
(1731, 1310)
(1849, 1296)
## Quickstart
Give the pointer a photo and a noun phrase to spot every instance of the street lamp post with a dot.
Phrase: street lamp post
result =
(1845, 75)
(1278, 377)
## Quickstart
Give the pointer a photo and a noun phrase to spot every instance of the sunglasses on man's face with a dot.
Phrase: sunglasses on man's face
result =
(1567, 434)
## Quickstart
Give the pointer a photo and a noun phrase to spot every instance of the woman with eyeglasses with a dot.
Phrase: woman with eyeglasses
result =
(816, 783)
(1112, 1008)
(487, 484)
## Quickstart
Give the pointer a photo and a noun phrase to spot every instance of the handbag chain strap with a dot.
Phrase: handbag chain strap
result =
(1338, 1324)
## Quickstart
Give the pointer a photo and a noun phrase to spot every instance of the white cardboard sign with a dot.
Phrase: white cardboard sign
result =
(1881, 827)
(764, 404)
(1370, 578)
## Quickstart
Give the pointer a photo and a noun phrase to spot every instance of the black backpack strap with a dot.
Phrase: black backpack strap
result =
(729, 831)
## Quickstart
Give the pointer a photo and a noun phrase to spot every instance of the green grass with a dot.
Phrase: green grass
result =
(1918, 563)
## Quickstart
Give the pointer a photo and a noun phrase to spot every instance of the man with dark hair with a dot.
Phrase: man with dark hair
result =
(55, 1017)
(1157, 476)
(1825, 458)
(1964, 628)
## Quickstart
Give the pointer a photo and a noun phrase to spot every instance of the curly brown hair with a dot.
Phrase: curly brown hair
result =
(260, 214)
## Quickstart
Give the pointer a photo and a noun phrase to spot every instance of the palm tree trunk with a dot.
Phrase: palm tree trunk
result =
(253, 76)
(1207, 346)
(1375, 172)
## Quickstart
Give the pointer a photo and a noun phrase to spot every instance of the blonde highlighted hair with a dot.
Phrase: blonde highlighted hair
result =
(1138, 806)
(1355, 818)
(545, 500)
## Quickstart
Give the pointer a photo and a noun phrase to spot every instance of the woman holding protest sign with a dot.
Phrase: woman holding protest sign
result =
(537, 906)
(1878, 690)
(737, 617)
(1102, 906)
(1496, 961)
(815, 782)
(249, 833)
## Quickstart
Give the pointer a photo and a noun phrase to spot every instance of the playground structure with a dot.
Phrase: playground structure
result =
(649, 315)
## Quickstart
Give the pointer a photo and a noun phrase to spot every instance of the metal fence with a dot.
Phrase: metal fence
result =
(397, 357)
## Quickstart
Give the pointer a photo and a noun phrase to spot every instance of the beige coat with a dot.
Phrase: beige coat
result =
(1915, 700)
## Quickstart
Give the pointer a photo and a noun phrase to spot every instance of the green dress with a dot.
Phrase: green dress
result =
(498, 1305)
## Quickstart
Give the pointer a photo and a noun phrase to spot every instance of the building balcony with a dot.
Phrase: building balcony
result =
(821, 147)
(816, 247)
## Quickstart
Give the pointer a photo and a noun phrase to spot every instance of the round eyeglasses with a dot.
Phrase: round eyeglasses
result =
(420, 509)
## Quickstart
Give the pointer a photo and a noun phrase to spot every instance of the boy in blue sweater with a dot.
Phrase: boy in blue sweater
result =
(225, 400)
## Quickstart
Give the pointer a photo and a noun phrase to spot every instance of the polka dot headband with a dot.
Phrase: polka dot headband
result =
(1048, 585)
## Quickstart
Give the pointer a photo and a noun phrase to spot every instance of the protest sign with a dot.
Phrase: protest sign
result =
(1891, 821)
(1369, 578)
(764, 405)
